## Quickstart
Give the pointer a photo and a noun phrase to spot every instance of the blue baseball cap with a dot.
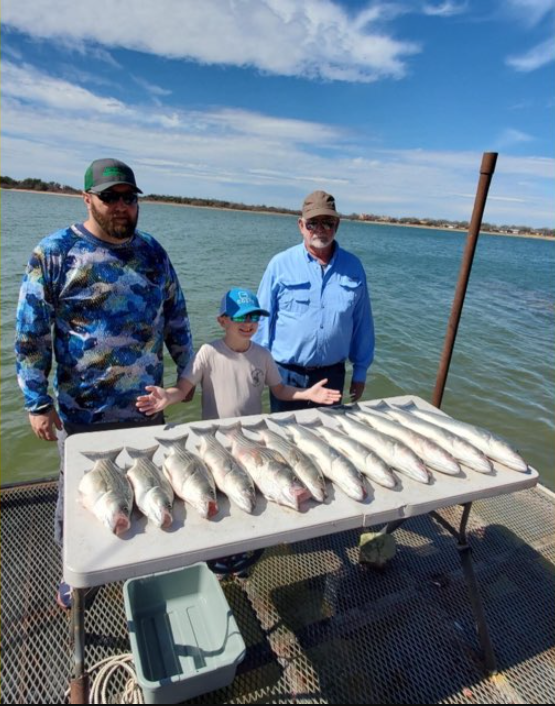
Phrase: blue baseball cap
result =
(240, 302)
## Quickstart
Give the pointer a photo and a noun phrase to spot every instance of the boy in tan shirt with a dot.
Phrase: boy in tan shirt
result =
(233, 370)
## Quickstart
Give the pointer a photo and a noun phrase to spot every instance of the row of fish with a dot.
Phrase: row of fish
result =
(291, 466)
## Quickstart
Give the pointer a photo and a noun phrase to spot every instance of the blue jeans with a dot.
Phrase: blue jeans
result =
(295, 376)
(68, 430)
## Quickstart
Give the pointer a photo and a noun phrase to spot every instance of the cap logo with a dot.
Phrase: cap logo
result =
(243, 298)
(114, 172)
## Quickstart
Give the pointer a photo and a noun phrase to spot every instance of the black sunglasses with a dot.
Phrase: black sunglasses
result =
(111, 197)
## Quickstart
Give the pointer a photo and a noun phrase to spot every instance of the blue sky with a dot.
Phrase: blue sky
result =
(387, 105)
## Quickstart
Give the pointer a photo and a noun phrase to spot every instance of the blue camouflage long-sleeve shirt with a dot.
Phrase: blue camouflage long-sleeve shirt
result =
(104, 312)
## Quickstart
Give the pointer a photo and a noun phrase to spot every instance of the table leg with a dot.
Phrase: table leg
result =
(465, 554)
(79, 687)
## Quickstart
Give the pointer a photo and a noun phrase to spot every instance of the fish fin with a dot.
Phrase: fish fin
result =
(405, 407)
(229, 431)
(283, 421)
(336, 411)
(256, 426)
(112, 454)
(179, 442)
(141, 453)
(204, 431)
(282, 425)
(313, 424)
(382, 406)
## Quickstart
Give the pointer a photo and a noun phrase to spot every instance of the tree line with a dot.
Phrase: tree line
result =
(32, 184)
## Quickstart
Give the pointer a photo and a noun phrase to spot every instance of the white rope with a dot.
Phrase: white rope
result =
(106, 669)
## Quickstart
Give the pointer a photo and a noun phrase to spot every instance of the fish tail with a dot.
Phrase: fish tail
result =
(334, 412)
(256, 426)
(405, 407)
(231, 430)
(204, 431)
(283, 421)
(313, 424)
(141, 453)
(112, 454)
(179, 442)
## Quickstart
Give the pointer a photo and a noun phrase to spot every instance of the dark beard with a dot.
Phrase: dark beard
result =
(118, 231)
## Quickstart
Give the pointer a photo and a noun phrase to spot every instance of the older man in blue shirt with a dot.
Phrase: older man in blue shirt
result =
(320, 312)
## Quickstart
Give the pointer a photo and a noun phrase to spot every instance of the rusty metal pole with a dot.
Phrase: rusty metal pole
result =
(486, 172)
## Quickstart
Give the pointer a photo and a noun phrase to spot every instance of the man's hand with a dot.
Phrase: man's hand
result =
(44, 425)
(356, 390)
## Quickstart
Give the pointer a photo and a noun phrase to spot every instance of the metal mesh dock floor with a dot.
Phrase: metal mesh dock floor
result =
(320, 627)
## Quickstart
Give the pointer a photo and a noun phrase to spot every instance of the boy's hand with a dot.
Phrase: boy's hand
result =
(156, 401)
(321, 395)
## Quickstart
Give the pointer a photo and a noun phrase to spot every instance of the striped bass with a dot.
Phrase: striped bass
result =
(153, 492)
(189, 476)
(489, 443)
(433, 455)
(366, 460)
(395, 453)
(301, 463)
(230, 477)
(106, 492)
(458, 447)
(334, 465)
(273, 476)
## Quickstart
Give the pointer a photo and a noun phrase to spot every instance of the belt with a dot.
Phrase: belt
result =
(301, 369)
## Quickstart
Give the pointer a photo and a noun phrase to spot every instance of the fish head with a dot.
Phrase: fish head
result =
(158, 508)
(114, 513)
(293, 495)
(203, 500)
(245, 499)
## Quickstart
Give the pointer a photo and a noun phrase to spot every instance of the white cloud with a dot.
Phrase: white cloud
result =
(257, 158)
(53, 129)
(445, 9)
(28, 84)
(511, 137)
(315, 39)
(152, 89)
(530, 12)
(535, 58)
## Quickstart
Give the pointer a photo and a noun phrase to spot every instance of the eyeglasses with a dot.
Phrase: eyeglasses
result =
(326, 225)
(253, 318)
(111, 197)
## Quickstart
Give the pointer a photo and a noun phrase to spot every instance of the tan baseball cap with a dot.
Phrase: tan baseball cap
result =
(319, 203)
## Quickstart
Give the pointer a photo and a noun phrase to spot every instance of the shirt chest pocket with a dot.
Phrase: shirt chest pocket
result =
(295, 297)
(348, 291)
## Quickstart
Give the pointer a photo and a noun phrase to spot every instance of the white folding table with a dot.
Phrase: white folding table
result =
(92, 556)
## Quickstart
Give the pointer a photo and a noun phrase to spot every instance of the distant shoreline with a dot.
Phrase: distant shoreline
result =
(278, 213)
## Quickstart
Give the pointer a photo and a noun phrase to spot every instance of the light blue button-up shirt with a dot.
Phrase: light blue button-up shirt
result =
(319, 315)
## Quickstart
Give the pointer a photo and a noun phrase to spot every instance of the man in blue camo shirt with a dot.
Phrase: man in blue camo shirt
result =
(102, 299)
(320, 313)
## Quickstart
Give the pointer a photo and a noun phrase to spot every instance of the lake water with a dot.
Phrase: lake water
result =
(501, 374)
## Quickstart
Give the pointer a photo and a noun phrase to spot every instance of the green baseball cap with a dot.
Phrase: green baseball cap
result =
(105, 173)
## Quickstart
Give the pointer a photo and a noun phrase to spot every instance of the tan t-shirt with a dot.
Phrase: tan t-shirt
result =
(232, 383)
